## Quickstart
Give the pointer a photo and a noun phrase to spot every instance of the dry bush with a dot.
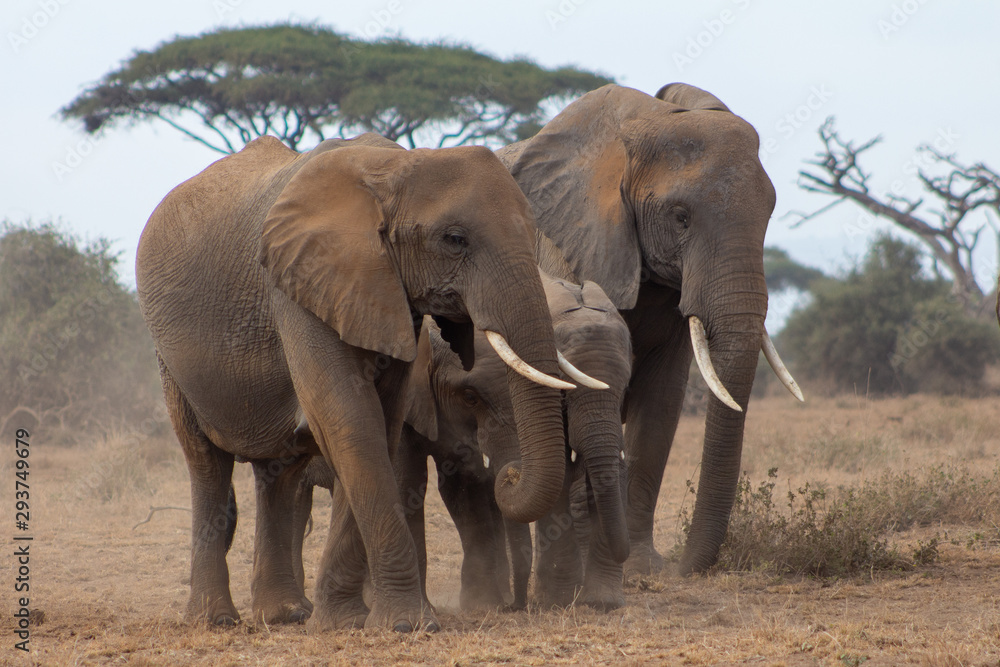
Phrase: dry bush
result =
(74, 351)
(819, 533)
(827, 532)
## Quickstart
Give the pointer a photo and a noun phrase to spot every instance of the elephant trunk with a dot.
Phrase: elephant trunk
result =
(526, 489)
(595, 434)
(733, 312)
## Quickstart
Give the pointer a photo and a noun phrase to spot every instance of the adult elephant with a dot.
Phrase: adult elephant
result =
(284, 293)
(463, 420)
(663, 202)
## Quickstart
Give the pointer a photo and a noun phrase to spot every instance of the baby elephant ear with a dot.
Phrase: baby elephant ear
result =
(421, 404)
(322, 245)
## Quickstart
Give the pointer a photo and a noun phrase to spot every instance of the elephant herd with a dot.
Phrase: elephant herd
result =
(337, 316)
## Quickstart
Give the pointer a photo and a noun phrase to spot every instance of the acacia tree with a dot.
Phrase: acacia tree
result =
(950, 228)
(305, 83)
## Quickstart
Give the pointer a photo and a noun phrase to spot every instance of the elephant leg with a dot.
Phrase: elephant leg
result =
(352, 401)
(213, 511)
(559, 576)
(468, 497)
(339, 597)
(656, 396)
(277, 595)
(603, 578)
(503, 570)
(300, 522)
(519, 540)
(410, 463)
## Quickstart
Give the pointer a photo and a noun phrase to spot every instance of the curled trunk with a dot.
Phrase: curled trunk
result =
(526, 489)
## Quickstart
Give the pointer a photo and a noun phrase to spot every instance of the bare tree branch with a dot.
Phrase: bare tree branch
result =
(944, 231)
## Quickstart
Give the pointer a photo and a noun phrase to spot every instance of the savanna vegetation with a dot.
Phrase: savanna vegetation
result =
(74, 351)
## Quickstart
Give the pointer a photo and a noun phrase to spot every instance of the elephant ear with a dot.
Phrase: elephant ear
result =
(323, 245)
(572, 172)
(421, 406)
(690, 97)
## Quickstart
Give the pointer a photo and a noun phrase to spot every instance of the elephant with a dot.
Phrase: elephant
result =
(463, 419)
(663, 202)
(284, 294)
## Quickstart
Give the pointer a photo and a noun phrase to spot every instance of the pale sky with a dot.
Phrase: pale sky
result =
(911, 70)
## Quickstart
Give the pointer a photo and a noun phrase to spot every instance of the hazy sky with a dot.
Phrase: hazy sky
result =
(912, 70)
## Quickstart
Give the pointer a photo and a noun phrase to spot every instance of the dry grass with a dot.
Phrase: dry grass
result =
(112, 595)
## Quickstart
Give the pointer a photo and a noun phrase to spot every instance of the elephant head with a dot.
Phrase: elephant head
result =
(635, 189)
(369, 239)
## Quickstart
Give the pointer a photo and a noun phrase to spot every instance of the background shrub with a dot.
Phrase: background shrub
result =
(74, 350)
(887, 328)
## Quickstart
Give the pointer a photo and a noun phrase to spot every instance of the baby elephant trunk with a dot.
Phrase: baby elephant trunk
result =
(595, 435)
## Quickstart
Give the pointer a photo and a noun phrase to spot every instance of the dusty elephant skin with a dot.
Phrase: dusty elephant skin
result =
(463, 420)
(664, 204)
(283, 293)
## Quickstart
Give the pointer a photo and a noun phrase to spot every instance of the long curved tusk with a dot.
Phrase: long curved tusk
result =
(578, 375)
(510, 358)
(700, 343)
(771, 354)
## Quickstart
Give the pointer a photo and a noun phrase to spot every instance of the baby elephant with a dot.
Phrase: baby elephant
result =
(464, 421)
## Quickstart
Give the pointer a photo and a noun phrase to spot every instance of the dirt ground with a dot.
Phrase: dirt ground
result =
(114, 593)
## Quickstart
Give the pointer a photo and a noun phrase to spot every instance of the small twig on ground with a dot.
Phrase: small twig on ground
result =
(154, 510)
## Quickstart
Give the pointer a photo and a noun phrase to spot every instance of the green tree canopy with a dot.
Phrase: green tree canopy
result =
(887, 328)
(73, 347)
(300, 82)
(782, 272)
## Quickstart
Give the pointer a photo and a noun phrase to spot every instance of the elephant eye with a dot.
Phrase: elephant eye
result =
(470, 397)
(456, 239)
(682, 216)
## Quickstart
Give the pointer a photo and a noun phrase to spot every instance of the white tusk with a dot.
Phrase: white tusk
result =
(700, 343)
(572, 455)
(771, 354)
(521, 366)
(486, 461)
(622, 452)
(576, 374)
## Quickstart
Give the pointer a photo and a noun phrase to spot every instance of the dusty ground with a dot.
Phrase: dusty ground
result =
(112, 594)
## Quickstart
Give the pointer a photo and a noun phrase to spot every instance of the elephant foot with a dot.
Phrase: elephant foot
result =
(478, 597)
(345, 617)
(603, 598)
(557, 596)
(418, 619)
(603, 586)
(294, 612)
(216, 610)
(643, 559)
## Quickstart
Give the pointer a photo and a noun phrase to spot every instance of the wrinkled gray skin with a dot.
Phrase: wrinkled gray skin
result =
(284, 294)
(664, 204)
(455, 416)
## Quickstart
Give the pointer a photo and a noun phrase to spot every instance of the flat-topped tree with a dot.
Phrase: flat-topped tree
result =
(306, 83)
